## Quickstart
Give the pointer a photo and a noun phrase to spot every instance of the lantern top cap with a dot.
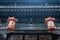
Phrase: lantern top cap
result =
(49, 18)
(12, 18)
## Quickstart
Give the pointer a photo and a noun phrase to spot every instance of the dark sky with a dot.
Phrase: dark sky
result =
(30, 2)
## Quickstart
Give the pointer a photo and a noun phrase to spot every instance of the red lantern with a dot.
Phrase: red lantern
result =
(50, 23)
(11, 23)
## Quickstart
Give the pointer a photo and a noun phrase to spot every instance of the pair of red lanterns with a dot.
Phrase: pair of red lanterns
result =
(11, 22)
